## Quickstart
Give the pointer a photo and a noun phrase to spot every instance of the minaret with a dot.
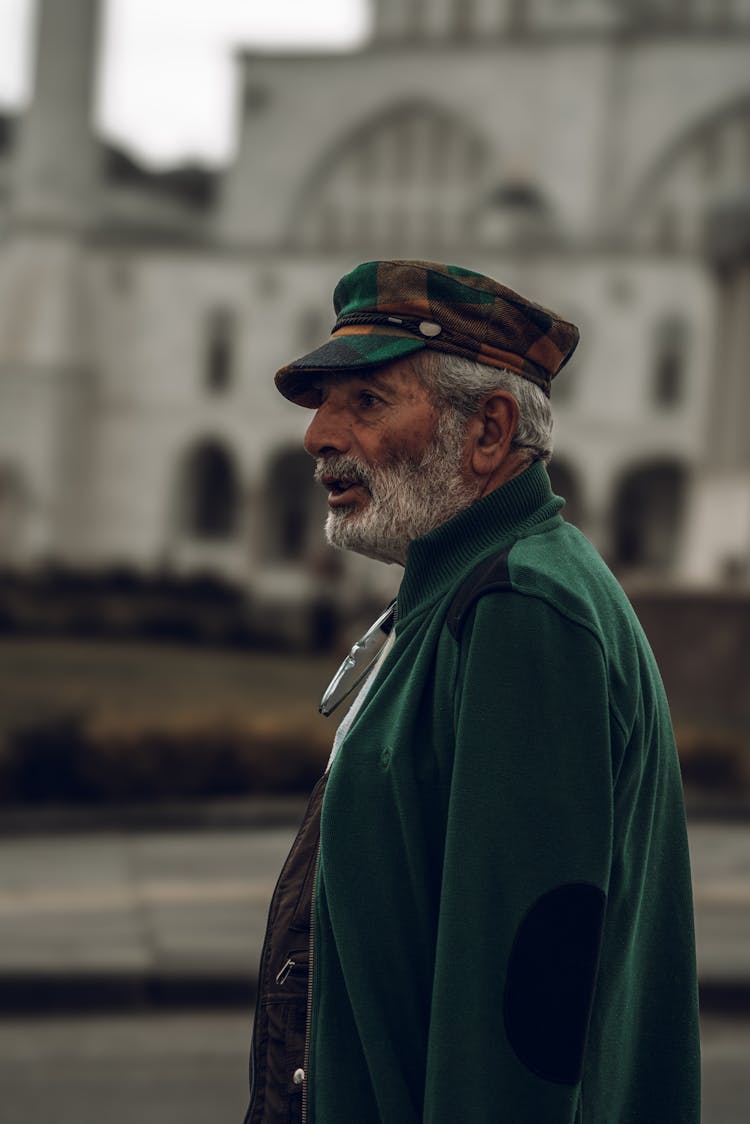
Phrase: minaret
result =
(56, 162)
(47, 367)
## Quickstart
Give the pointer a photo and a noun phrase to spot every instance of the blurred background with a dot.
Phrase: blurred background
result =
(181, 186)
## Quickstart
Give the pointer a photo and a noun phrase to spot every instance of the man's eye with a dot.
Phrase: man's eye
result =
(367, 399)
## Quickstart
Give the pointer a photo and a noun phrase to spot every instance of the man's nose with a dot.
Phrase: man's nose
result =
(327, 433)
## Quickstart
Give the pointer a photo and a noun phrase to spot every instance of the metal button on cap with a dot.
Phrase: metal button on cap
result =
(298, 1076)
(427, 328)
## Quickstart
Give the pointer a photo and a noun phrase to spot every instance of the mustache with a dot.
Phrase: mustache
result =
(382, 482)
(343, 468)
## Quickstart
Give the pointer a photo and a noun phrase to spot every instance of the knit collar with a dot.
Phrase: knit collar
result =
(437, 560)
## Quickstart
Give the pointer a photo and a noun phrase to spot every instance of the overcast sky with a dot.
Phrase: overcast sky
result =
(166, 82)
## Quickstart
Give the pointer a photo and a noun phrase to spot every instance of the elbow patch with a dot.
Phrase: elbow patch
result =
(550, 981)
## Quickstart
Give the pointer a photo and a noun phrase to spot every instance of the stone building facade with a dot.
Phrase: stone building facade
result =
(594, 154)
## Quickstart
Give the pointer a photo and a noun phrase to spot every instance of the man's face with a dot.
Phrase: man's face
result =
(392, 461)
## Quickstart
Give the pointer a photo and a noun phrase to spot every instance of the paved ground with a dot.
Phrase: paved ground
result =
(191, 1068)
(121, 914)
(156, 902)
(720, 855)
(162, 1068)
(184, 905)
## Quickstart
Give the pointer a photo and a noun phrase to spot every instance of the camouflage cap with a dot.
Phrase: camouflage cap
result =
(389, 309)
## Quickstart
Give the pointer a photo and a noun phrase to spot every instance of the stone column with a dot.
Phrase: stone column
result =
(718, 540)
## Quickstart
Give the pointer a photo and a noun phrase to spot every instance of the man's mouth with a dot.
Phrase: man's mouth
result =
(344, 490)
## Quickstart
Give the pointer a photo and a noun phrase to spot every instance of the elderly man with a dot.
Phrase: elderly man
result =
(486, 915)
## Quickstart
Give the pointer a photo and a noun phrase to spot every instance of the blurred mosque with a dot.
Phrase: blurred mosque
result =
(594, 154)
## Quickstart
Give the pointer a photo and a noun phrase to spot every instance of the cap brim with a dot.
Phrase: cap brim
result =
(355, 353)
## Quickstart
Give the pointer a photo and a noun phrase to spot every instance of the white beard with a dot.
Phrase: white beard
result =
(409, 497)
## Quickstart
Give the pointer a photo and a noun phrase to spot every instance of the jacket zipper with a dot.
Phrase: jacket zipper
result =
(254, 1048)
(256, 1015)
(281, 976)
(308, 1022)
(311, 966)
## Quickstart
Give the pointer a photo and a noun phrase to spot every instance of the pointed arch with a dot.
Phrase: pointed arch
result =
(706, 166)
(409, 175)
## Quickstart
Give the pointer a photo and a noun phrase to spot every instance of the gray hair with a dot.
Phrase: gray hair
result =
(461, 384)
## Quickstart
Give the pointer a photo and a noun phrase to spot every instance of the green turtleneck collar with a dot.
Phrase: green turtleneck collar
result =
(437, 560)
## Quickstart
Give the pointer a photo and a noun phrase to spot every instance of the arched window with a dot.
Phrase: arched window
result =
(516, 213)
(518, 15)
(648, 514)
(671, 352)
(565, 483)
(406, 179)
(295, 507)
(210, 492)
(463, 19)
(219, 354)
(14, 502)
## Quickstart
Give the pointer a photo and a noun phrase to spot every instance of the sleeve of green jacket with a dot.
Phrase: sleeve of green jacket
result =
(526, 867)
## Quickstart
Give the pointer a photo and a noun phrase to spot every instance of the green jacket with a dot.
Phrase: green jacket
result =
(503, 925)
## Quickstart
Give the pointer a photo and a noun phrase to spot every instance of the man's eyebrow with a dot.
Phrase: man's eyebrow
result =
(377, 378)
(375, 375)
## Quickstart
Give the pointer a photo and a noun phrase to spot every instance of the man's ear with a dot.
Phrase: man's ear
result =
(491, 432)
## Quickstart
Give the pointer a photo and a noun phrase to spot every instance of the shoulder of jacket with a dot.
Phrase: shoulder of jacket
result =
(554, 576)
(490, 575)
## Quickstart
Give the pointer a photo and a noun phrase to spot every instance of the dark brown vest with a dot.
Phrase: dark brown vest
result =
(278, 1048)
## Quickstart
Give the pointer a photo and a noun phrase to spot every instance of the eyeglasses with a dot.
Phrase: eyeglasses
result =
(359, 662)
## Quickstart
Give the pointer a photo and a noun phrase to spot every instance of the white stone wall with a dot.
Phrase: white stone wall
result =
(103, 334)
(150, 405)
(539, 113)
